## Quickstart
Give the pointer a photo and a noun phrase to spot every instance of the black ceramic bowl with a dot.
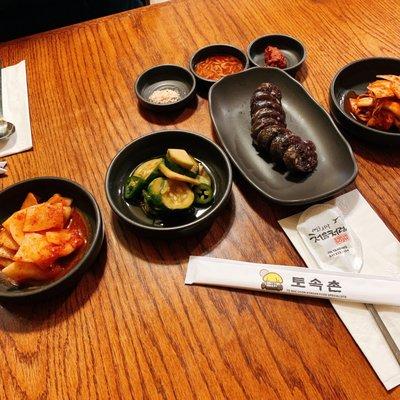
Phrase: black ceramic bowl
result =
(291, 48)
(214, 50)
(155, 145)
(11, 199)
(165, 77)
(355, 77)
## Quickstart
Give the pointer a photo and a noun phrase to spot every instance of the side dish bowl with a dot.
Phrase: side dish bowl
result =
(355, 77)
(153, 146)
(291, 48)
(164, 77)
(230, 112)
(11, 199)
(215, 50)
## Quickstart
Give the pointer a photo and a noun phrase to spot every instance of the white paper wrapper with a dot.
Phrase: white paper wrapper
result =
(16, 109)
(381, 256)
(329, 239)
(3, 165)
(293, 280)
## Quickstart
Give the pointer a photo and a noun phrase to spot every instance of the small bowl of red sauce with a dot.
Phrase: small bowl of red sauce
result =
(277, 50)
(211, 63)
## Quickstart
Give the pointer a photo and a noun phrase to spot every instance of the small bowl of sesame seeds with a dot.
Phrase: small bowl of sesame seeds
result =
(165, 88)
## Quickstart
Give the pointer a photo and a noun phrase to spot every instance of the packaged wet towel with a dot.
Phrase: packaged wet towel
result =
(380, 256)
(329, 239)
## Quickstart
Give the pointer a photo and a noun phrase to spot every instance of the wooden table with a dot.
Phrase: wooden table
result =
(131, 329)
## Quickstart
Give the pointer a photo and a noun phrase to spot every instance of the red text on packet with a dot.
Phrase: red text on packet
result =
(344, 237)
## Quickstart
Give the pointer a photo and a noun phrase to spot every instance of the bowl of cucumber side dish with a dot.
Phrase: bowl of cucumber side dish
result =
(169, 183)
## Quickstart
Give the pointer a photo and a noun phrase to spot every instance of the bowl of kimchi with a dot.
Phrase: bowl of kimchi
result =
(364, 98)
(211, 63)
(51, 230)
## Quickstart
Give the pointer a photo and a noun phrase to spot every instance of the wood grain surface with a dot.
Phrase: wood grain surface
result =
(131, 329)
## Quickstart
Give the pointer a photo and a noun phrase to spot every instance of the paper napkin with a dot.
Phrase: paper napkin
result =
(381, 257)
(3, 165)
(16, 109)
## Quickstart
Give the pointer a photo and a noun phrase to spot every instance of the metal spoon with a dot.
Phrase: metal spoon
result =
(6, 128)
(386, 334)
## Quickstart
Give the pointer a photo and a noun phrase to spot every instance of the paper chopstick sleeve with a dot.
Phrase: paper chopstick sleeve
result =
(295, 281)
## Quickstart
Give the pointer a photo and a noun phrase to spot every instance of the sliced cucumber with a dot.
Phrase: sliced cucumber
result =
(203, 176)
(182, 158)
(177, 195)
(176, 164)
(203, 180)
(140, 178)
(149, 208)
(133, 187)
(176, 176)
(178, 169)
(155, 190)
(148, 170)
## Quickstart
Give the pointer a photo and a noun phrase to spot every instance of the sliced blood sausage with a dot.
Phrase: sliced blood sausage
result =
(260, 95)
(268, 113)
(270, 105)
(281, 143)
(268, 130)
(266, 135)
(279, 115)
(263, 97)
(270, 88)
(263, 123)
(301, 157)
(259, 104)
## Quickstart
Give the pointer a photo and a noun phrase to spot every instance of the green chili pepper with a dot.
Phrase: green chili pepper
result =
(203, 194)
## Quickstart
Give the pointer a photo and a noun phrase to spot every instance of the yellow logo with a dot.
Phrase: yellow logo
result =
(271, 280)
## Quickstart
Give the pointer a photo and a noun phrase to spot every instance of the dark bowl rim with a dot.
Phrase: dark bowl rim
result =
(191, 66)
(214, 209)
(97, 233)
(293, 67)
(261, 191)
(177, 103)
(338, 108)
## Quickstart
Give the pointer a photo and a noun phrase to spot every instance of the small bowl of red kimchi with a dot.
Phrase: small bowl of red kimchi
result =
(51, 230)
(213, 62)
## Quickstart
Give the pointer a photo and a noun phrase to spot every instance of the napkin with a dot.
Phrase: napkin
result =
(3, 165)
(381, 256)
(16, 109)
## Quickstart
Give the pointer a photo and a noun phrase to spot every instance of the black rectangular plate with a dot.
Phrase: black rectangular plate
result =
(229, 101)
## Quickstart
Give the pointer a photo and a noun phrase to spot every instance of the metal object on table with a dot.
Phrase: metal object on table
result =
(386, 334)
(378, 320)
(6, 128)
